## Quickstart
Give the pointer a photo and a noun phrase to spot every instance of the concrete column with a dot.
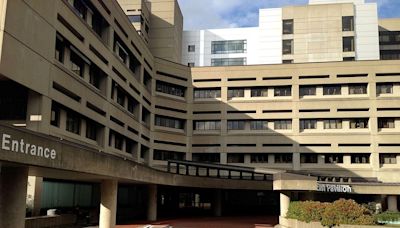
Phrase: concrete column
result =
(38, 112)
(108, 206)
(152, 203)
(34, 194)
(217, 203)
(284, 201)
(392, 203)
(13, 184)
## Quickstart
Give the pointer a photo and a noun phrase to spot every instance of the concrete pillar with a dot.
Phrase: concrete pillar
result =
(108, 206)
(284, 202)
(217, 203)
(38, 112)
(34, 194)
(392, 203)
(152, 203)
(13, 184)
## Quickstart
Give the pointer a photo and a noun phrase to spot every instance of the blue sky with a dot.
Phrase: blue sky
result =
(201, 14)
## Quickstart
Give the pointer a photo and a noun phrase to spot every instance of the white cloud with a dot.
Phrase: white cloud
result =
(202, 14)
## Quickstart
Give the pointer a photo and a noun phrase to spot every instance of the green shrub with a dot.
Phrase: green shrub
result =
(330, 214)
(388, 216)
(346, 212)
(306, 211)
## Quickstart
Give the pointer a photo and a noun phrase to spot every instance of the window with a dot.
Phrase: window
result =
(99, 25)
(121, 52)
(207, 93)
(360, 158)
(288, 26)
(169, 122)
(333, 124)
(60, 46)
(96, 76)
(348, 44)
(228, 62)
(73, 123)
(389, 37)
(358, 123)
(235, 158)
(388, 158)
(348, 59)
(163, 155)
(308, 124)
(390, 54)
(191, 48)
(77, 64)
(228, 46)
(118, 141)
(235, 92)
(135, 18)
(208, 125)
(91, 130)
(259, 158)
(132, 105)
(358, 89)
(348, 23)
(283, 124)
(308, 158)
(308, 91)
(169, 88)
(191, 64)
(283, 158)
(258, 125)
(386, 123)
(55, 115)
(287, 61)
(332, 90)
(333, 158)
(80, 8)
(384, 88)
(282, 91)
(120, 97)
(206, 157)
(146, 117)
(259, 92)
(287, 47)
(236, 124)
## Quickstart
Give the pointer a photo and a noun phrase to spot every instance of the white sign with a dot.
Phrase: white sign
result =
(334, 188)
(20, 146)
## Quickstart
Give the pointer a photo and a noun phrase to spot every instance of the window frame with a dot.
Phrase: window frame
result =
(348, 40)
(348, 26)
(289, 30)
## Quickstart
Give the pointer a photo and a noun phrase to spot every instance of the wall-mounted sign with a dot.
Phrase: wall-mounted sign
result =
(343, 188)
(8, 143)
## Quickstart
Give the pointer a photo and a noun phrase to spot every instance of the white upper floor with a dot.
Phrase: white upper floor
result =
(317, 36)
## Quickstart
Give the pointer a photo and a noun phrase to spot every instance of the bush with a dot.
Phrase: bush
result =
(346, 212)
(330, 214)
(388, 216)
(306, 211)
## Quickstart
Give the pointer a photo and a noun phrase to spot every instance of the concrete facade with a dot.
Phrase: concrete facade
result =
(88, 91)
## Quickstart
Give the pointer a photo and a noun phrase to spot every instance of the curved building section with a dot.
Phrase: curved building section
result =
(86, 100)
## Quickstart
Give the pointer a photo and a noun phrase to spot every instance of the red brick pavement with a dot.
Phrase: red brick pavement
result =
(214, 222)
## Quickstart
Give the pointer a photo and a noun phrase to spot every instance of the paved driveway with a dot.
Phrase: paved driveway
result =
(213, 222)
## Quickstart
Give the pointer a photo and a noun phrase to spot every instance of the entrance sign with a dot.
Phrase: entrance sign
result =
(341, 188)
(8, 143)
